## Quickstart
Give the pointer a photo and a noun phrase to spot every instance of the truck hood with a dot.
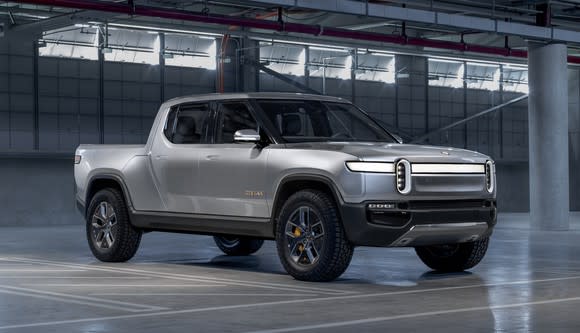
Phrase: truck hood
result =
(390, 152)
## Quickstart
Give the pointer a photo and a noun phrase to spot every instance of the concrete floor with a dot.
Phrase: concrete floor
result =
(49, 282)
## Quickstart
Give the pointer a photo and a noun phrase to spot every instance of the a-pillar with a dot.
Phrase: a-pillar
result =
(548, 134)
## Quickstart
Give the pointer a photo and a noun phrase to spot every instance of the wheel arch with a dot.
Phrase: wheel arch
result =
(294, 183)
(102, 181)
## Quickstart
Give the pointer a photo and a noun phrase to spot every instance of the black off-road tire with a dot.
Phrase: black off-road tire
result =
(238, 246)
(127, 238)
(455, 257)
(335, 251)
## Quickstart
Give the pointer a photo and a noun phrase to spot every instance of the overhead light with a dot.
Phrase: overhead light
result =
(96, 40)
(302, 58)
(446, 61)
(157, 45)
(318, 48)
(160, 29)
(517, 68)
(478, 64)
(380, 52)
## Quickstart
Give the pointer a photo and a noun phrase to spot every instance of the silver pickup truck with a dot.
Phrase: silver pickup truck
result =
(313, 173)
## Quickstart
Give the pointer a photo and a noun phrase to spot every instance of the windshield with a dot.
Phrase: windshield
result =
(307, 121)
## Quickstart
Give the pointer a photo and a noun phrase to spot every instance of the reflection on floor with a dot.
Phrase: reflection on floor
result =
(49, 282)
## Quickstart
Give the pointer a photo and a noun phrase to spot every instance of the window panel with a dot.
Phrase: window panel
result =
(234, 117)
(190, 124)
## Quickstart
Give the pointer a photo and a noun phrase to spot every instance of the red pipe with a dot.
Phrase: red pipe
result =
(285, 26)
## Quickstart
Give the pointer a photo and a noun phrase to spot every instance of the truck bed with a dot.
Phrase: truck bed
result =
(110, 159)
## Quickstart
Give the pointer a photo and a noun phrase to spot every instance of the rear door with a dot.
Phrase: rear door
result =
(232, 175)
(175, 156)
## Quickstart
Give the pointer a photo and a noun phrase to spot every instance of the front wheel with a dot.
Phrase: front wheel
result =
(310, 239)
(238, 246)
(111, 236)
(453, 257)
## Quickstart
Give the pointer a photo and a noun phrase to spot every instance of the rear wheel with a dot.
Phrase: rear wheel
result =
(238, 246)
(311, 241)
(453, 257)
(110, 234)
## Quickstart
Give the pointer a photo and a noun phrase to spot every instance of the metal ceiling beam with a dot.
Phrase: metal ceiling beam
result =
(432, 17)
(282, 77)
(314, 40)
(36, 28)
(286, 27)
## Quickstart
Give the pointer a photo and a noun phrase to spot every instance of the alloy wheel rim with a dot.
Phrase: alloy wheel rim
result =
(104, 225)
(304, 236)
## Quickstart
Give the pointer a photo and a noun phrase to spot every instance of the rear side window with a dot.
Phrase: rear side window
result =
(233, 117)
(187, 124)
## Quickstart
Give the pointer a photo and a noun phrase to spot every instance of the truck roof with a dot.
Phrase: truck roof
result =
(257, 95)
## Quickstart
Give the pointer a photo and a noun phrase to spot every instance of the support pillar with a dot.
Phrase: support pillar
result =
(101, 60)
(250, 52)
(162, 67)
(548, 136)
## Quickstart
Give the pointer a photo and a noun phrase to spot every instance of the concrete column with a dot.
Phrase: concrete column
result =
(574, 128)
(250, 75)
(548, 133)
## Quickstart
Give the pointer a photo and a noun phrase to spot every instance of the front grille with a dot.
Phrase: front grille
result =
(403, 178)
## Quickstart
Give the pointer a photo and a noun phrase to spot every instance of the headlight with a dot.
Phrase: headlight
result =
(371, 167)
(489, 176)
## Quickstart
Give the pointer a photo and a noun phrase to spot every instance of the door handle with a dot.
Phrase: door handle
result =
(212, 157)
(161, 157)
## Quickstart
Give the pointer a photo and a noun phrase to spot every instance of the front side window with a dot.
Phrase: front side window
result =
(304, 121)
(233, 117)
(187, 124)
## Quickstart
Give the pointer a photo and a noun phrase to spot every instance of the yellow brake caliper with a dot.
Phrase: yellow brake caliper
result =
(297, 233)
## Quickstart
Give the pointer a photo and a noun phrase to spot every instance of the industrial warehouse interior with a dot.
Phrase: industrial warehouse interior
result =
(108, 206)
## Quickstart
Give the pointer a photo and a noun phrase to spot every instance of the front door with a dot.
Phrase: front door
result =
(232, 175)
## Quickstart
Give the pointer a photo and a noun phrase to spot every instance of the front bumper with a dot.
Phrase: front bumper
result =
(419, 223)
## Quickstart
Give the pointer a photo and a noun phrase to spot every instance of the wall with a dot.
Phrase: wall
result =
(16, 96)
(68, 111)
(37, 191)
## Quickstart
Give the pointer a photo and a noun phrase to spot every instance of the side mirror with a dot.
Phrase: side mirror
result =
(247, 136)
(398, 138)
